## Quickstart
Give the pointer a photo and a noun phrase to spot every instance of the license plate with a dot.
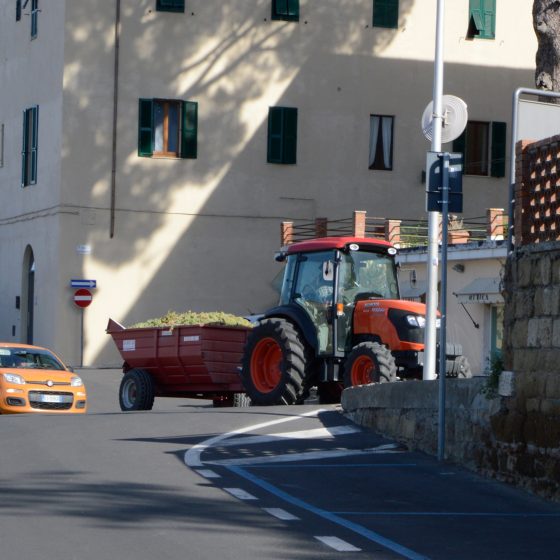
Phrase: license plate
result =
(50, 398)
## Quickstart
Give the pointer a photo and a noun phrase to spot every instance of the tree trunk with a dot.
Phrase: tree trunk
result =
(546, 23)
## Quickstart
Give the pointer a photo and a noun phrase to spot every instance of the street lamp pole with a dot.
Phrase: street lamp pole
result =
(429, 371)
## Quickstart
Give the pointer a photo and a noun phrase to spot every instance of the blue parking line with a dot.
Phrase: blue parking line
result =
(337, 466)
(362, 531)
(445, 514)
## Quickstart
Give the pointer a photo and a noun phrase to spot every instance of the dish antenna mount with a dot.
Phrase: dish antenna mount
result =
(455, 118)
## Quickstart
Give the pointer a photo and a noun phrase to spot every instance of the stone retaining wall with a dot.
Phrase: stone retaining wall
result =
(515, 438)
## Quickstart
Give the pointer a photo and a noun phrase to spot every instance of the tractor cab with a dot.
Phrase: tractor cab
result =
(325, 279)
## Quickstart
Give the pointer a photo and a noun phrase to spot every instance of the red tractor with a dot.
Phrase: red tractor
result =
(339, 323)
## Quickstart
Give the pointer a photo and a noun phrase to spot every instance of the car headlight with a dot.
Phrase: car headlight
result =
(76, 381)
(418, 321)
(14, 378)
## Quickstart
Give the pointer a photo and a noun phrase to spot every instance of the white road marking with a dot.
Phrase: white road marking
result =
(282, 514)
(207, 473)
(319, 433)
(308, 456)
(192, 456)
(240, 494)
(338, 544)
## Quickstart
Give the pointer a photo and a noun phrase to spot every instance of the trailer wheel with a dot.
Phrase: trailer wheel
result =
(274, 363)
(136, 391)
(369, 362)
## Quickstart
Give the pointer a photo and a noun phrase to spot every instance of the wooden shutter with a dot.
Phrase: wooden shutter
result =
(145, 127)
(482, 18)
(386, 13)
(34, 112)
(189, 129)
(170, 5)
(24, 150)
(285, 10)
(488, 9)
(274, 153)
(290, 135)
(498, 150)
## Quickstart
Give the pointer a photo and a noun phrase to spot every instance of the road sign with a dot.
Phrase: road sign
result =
(82, 297)
(75, 283)
(434, 182)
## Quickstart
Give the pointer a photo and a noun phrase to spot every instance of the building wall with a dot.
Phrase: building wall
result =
(475, 262)
(200, 233)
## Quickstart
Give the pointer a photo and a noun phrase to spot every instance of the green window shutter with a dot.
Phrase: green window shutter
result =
(170, 6)
(459, 147)
(34, 144)
(145, 127)
(285, 10)
(189, 129)
(498, 150)
(24, 154)
(482, 19)
(489, 18)
(290, 136)
(282, 135)
(386, 13)
(18, 10)
(274, 154)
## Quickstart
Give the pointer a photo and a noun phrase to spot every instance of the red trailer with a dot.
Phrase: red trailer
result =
(194, 361)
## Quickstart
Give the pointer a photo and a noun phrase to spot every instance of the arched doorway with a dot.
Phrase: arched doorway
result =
(28, 295)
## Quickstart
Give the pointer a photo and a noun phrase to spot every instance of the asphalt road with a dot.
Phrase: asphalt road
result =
(189, 481)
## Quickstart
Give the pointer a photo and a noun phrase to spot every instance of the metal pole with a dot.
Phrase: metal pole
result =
(82, 337)
(442, 328)
(433, 217)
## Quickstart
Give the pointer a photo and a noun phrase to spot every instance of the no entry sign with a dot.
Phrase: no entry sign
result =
(82, 297)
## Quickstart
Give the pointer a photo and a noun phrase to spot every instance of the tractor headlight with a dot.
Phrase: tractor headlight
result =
(418, 321)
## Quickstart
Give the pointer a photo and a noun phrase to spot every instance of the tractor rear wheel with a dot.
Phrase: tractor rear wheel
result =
(136, 391)
(274, 362)
(369, 362)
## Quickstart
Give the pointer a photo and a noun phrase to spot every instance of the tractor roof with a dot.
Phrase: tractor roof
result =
(327, 243)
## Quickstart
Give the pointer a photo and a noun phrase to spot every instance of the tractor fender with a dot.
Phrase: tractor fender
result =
(300, 319)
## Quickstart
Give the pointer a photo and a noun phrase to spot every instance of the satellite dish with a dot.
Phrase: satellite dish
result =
(455, 118)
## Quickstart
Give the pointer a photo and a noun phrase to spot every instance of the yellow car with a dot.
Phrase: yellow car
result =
(33, 379)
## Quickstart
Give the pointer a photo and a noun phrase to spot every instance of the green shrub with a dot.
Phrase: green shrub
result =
(174, 319)
(490, 389)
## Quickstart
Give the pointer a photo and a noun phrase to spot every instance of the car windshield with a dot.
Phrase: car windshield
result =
(28, 358)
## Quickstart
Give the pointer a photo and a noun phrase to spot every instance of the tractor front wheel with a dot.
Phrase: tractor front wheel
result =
(369, 362)
(273, 369)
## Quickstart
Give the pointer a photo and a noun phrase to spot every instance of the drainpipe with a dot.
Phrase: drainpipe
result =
(115, 110)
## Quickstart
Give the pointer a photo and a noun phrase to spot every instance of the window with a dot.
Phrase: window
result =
(282, 135)
(170, 5)
(167, 128)
(386, 13)
(287, 10)
(381, 142)
(30, 146)
(34, 17)
(482, 19)
(18, 10)
(483, 145)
